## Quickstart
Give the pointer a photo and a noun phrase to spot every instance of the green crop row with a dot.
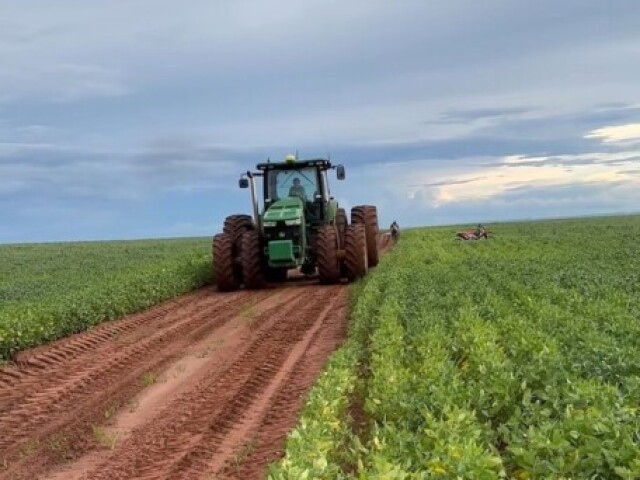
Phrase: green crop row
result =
(509, 358)
(53, 290)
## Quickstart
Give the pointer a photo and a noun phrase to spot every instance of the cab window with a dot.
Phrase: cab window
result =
(301, 182)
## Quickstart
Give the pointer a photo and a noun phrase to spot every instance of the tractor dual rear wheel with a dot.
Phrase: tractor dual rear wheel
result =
(368, 215)
(236, 225)
(341, 224)
(327, 255)
(355, 260)
(224, 268)
(227, 268)
(252, 259)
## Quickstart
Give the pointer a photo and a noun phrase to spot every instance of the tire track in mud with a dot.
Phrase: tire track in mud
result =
(61, 390)
(70, 382)
(259, 438)
(233, 446)
(265, 441)
(197, 432)
(29, 364)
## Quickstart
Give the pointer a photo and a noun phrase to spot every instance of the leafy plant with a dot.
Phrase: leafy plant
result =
(52, 290)
(104, 437)
(509, 358)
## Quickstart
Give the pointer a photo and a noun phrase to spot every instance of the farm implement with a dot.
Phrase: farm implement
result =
(475, 234)
(298, 226)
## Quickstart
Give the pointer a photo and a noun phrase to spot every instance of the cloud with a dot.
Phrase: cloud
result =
(540, 173)
(57, 172)
(629, 133)
(531, 202)
(567, 160)
(60, 82)
(471, 114)
(443, 183)
(428, 191)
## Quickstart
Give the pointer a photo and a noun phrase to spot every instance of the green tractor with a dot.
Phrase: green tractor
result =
(299, 226)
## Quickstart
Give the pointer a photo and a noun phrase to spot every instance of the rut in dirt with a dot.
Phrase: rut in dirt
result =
(228, 419)
(206, 430)
(50, 382)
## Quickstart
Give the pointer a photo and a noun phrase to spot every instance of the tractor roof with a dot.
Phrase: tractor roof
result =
(316, 162)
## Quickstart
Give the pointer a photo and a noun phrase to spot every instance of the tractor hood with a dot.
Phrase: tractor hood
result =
(289, 208)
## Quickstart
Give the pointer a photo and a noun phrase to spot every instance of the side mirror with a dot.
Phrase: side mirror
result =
(340, 172)
(243, 183)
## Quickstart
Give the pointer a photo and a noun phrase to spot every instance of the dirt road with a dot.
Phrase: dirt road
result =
(205, 386)
(201, 387)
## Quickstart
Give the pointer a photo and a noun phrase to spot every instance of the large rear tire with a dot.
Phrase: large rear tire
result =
(341, 224)
(236, 225)
(252, 260)
(224, 271)
(368, 215)
(355, 260)
(327, 255)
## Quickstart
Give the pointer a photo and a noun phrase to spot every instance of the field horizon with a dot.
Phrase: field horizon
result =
(382, 228)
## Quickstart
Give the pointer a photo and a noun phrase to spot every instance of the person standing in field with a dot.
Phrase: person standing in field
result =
(395, 230)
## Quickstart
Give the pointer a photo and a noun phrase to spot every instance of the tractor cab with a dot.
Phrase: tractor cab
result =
(304, 181)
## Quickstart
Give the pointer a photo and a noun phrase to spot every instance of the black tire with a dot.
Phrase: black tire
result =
(252, 260)
(327, 255)
(355, 259)
(224, 271)
(341, 224)
(373, 254)
(236, 225)
(277, 274)
(368, 215)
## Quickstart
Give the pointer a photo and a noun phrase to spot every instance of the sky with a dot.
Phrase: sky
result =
(134, 119)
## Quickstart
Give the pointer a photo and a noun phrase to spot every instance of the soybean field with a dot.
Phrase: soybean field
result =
(54, 289)
(514, 357)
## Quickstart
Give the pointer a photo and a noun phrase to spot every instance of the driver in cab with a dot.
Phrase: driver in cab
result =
(297, 190)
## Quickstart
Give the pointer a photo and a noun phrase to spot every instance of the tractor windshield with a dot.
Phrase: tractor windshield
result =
(294, 182)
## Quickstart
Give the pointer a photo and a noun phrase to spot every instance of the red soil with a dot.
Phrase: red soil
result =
(204, 386)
